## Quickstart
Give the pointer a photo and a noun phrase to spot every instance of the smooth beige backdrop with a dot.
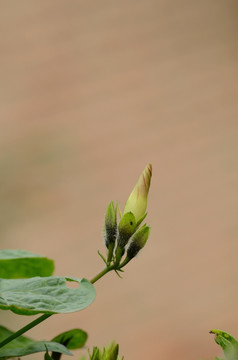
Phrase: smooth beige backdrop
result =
(90, 92)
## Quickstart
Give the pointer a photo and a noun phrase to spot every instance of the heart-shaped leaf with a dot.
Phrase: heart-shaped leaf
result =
(15, 264)
(48, 295)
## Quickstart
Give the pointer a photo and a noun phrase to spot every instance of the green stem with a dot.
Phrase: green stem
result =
(46, 316)
(24, 329)
(101, 274)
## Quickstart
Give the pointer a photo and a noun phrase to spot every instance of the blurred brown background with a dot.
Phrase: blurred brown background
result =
(90, 92)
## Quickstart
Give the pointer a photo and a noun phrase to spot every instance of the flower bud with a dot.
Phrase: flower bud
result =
(110, 230)
(110, 352)
(138, 241)
(137, 201)
(126, 227)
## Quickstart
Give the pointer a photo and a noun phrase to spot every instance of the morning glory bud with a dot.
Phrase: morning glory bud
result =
(126, 227)
(110, 230)
(138, 241)
(137, 201)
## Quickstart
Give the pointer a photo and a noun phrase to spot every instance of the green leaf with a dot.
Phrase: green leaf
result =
(23, 345)
(72, 339)
(227, 343)
(15, 264)
(47, 295)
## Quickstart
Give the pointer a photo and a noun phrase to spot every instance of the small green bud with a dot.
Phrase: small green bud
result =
(228, 343)
(96, 354)
(126, 227)
(110, 229)
(138, 241)
(111, 352)
(107, 353)
(137, 201)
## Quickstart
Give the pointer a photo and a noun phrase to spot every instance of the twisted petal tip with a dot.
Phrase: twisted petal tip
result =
(137, 201)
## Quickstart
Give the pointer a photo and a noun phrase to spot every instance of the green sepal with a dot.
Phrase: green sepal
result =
(138, 241)
(120, 212)
(102, 257)
(112, 351)
(118, 255)
(96, 354)
(141, 220)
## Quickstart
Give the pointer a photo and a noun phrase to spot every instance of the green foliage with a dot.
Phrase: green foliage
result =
(27, 286)
(72, 339)
(48, 295)
(15, 264)
(228, 344)
(23, 345)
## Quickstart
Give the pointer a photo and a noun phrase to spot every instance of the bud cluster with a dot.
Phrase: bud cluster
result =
(128, 236)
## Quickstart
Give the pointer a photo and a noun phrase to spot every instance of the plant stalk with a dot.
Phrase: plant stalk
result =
(24, 329)
(101, 274)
